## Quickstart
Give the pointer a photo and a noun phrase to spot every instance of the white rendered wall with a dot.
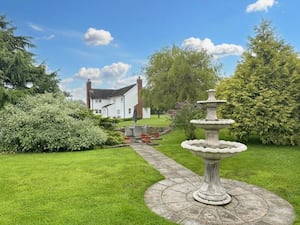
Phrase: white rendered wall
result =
(131, 99)
(119, 107)
(146, 113)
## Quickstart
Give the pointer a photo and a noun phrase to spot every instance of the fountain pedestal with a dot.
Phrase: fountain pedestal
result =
(212, 150)
(211, 190)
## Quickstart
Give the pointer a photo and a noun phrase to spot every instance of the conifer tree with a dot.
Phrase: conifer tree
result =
(263, 94)
(18, 70)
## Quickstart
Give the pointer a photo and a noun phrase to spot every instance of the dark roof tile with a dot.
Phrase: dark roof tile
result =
(108, 93)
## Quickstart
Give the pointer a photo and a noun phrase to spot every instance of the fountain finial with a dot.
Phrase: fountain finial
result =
(211, 94)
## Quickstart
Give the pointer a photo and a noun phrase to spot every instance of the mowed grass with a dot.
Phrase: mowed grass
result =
(154, 121)
(104, 186)
(107, 186)
(275, 168)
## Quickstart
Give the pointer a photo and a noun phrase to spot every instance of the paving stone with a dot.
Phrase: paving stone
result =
(192, 212)
(178, 206)
(183, 187)
(159, 186)
(172, 198)
(191, 221)
(167, 182)
(228, 217)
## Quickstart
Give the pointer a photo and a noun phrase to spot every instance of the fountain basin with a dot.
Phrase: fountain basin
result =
(211, 103)
(223, 149)
(211, 191)
(212, 124)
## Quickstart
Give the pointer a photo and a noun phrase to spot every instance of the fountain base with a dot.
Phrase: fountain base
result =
(210, 200)
(211, 190)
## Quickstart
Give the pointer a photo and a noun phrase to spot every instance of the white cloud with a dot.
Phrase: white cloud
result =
(123, 82)
(51, 36)
(77, 93)
(110, 74)
(89, 73)
(113, 71)
(97, 37)
(67, 80)
(47, 38)
(35, 27)
(260, 5)
(215, 50)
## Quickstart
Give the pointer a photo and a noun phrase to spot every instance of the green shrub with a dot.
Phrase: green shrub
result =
(109, 124)
(47, 123)
(263, 95)
(182, 116)
(114, 137)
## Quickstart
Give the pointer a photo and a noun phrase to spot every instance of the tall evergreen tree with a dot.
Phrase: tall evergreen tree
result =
(263, 95)
(17, 68)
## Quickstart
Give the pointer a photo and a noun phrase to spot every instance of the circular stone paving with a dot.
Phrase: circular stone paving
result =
(173, 199)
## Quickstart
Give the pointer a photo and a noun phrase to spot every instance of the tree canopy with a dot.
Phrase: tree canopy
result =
(19, 74)
(178, 75)
(263, 95)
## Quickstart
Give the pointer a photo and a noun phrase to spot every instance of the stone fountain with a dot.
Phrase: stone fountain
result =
(212, 150)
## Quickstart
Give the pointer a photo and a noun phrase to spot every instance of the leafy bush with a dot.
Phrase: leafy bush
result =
(182, 116)
(114, 137)
(47, 123)
(109, 124)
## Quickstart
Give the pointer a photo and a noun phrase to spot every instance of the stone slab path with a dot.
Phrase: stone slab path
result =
(172, 198)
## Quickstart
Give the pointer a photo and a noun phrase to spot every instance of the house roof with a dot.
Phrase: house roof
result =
(108, 93)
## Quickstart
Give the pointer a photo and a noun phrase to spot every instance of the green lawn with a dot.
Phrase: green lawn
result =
(104, 186)
(107, 186)
(154, 121)
(275, 168)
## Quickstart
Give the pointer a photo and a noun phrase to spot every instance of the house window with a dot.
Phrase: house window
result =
(129, 110)
(118, 111)
(122, 99)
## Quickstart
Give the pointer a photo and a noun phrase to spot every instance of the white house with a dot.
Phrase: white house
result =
(118, 103)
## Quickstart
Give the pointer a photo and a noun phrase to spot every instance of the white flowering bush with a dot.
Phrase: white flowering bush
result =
(47, 123)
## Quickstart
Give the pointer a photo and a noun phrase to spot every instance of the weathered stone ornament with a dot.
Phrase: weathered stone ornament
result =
(212, 150)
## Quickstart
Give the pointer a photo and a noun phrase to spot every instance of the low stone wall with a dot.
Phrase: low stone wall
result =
(145, 129)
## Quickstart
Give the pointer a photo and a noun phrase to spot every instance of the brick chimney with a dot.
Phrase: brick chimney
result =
(139, 107)
(88, 93)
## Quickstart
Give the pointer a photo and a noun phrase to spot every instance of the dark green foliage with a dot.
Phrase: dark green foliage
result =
(114, 137)
(178, 75)
(107, 123)
(182, 116)
(17, 67)
(263, 95)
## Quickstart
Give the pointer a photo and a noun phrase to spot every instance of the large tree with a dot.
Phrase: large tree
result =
(18, 70)
(177, 75)
(263, 95)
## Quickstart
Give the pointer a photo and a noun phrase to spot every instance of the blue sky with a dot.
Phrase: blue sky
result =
(110, 41)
